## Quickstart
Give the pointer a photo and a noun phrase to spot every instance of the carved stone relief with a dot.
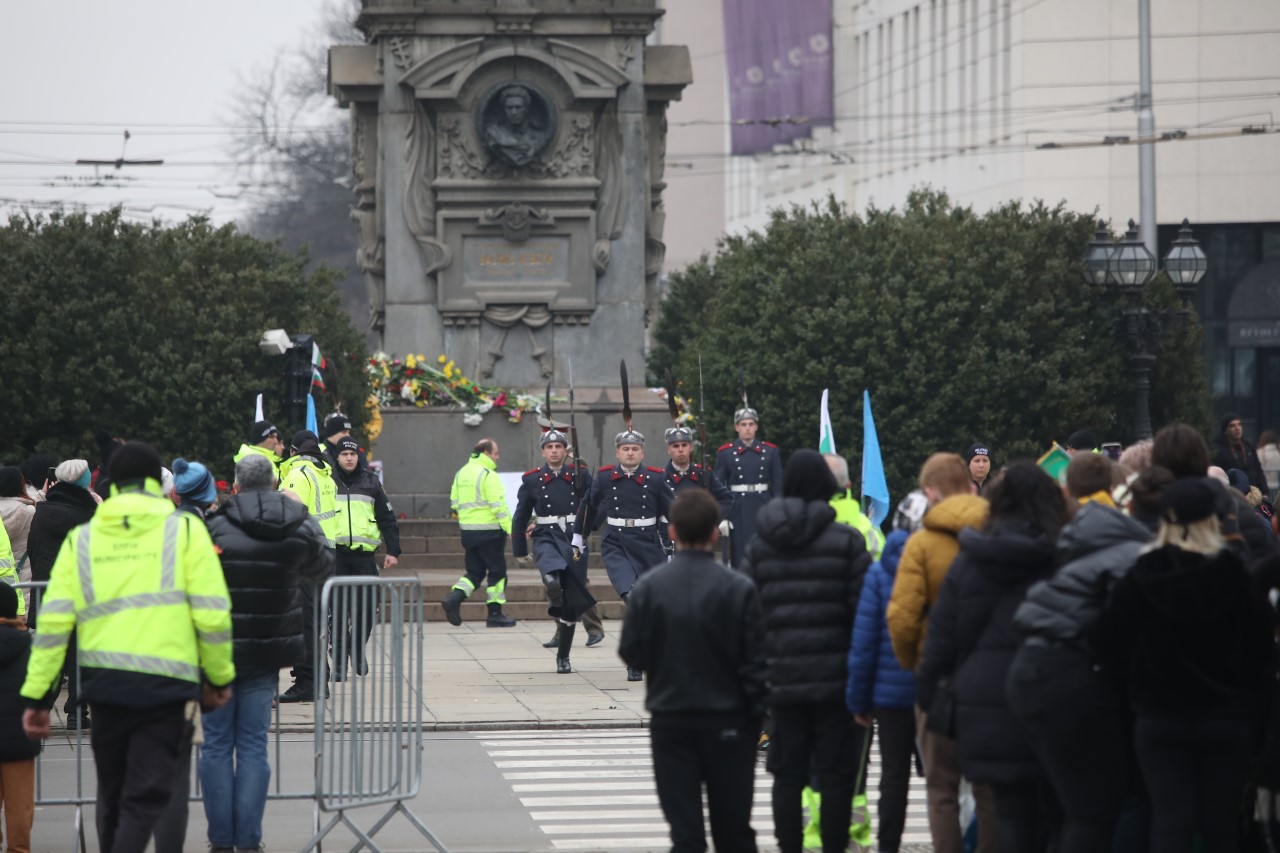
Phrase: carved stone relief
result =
(612, 206)
(515, 122)
(517, 219)
(419, 199)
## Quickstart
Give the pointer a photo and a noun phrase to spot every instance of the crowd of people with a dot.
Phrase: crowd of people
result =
(1091, 662)
(168, 611)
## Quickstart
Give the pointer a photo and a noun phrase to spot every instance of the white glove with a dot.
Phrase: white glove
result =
(725, 527)
(577, 541)
(525, 560)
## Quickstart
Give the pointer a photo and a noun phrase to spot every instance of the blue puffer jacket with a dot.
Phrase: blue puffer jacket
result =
(875, 678)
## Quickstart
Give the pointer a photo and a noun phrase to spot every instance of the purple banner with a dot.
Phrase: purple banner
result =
(779, 63)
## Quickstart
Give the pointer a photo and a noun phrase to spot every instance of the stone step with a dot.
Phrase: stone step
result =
(456, 560)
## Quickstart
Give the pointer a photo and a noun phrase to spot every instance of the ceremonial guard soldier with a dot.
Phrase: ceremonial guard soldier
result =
(753, 471)
(547, 499)
(683, 473)
(627, 498)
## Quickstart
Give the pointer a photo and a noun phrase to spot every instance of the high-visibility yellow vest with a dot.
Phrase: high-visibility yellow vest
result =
(312, 481)
(246, 449)
(143, 588)
(848, 512)
(357, 523)
(478, 497)
(9, 568)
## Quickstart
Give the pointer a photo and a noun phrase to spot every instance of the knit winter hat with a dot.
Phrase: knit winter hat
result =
(134, 462)
(348, 443)
(193, 481)
(305, 441)
(808, 476)
(8, 602)
(260, 430)
(10, 482)
(75, 471)
(1239, 480)
(336, 423)
(1082, 439)
(978, 448)
(1187, 501)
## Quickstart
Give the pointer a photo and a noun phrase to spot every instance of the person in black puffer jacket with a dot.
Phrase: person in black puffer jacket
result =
(67, 505)
(269, 548)
(972, 640)
(17, 751)
(1076, 719)
(809, 571)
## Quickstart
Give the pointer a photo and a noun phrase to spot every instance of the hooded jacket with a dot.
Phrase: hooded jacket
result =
(1095, 550)
(66, 506)
(269, 546)
(925, 561)
(971, 639)
(1189, 637)
(809, 572)
(875, 678)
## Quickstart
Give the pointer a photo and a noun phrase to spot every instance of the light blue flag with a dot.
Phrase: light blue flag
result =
(875, 490)
(311, 416)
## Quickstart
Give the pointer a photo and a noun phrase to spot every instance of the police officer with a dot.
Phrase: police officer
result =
(628, 498)
(264, 439)
(480, 501)
(683, 473)
(546, 498)
(142, 587)
(365, 520)
(753, 471)
(308, 477)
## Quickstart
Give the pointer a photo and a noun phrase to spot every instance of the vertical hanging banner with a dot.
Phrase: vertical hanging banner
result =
(779, 64)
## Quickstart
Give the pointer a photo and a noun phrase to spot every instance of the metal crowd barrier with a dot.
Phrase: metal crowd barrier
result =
(367, 733)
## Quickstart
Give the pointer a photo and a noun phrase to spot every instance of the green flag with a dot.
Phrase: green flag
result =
(826, 438)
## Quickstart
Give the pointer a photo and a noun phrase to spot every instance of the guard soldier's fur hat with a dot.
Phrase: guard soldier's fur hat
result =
(677, 434)
(745, 414)
(551, 435)
(628, 436)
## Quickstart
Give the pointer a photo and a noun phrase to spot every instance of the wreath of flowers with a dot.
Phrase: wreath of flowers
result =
(414, 381)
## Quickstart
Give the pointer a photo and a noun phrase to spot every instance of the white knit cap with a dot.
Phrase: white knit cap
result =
(71, 470)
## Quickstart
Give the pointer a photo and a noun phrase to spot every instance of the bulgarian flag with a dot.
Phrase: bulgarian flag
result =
(318, 366)
(826, 438)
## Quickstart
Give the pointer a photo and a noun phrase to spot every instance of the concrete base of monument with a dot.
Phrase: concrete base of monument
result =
(422, 449)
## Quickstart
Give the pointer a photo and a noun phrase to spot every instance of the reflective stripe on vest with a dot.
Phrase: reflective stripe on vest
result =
(208, 602)
(138, 663)
(359, 540)
(43, 639)
(84, 565)
(133, 602)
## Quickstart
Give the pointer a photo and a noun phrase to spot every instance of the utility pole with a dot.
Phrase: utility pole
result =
(1146, 130)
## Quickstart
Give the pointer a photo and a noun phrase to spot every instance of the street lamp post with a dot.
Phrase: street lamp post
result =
(1128, 266)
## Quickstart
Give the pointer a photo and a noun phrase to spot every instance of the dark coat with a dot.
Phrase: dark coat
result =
(1244, 459)
(269, 547)
(1095, 550)
(66, 506)
(695, 628)
(1190, 637)
(876, 680)
(15, 649)
(809, 571)
(971, 638)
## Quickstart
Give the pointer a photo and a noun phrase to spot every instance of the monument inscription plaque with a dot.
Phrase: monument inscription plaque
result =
(490, 260)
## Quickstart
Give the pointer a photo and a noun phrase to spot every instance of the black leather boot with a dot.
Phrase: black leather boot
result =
(562, 666)
(498, 619)
(452, 605)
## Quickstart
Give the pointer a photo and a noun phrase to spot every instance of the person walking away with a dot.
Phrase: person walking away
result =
(752, 469)
(17, 511)
(628, 498)
(194, 489)
(480, 501)
(545, 510)
(144, 585)
(809, 571)
(1077, 721)
(694, 627)
(882, 694)
(365, 521)
(270, 549)
(68, 503)
(307, 477)
(1194, 646)
(953, 506)
(17, 751)
(972, 642)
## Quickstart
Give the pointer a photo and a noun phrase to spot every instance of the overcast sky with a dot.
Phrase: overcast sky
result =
(77, 73)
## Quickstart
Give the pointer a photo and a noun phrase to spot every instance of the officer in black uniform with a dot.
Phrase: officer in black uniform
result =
(546, 498)
(753, 471)
(683, 473)
(628, 499)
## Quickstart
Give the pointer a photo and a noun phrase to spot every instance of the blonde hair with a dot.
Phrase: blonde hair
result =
(1200, 537)
(947, 473)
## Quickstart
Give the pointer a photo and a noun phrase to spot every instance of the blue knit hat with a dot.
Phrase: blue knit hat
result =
(193, 481)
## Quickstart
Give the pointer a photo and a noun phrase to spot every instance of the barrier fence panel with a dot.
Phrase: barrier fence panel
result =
(367, 728)
(369, 735)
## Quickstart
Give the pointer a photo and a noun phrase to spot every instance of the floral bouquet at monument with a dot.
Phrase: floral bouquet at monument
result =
(414, 381)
